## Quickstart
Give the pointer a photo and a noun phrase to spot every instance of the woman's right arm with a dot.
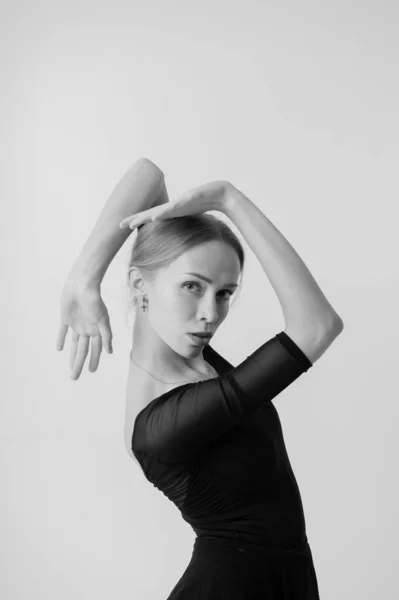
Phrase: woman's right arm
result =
(141, 187)
(82, 308)
(310, 320)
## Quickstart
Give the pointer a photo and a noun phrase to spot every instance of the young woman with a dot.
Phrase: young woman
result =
(204, 432)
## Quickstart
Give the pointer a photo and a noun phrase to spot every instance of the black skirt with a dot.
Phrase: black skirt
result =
(235, 570)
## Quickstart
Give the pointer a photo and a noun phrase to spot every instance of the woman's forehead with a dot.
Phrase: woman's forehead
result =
(212, 256)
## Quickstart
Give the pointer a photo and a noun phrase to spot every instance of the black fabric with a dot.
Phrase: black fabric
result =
(216, 449)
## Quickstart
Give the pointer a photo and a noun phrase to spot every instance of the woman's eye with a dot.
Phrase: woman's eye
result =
(228, 292)
(193, 284)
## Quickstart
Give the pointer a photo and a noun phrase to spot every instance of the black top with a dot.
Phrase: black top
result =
(216, 449)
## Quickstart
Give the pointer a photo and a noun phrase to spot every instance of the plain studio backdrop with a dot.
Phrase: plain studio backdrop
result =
(295, 103)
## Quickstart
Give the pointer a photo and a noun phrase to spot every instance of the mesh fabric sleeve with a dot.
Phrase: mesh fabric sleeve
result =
(179, 424)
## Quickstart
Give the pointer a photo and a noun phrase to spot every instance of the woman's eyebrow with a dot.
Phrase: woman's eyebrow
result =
(210, 280)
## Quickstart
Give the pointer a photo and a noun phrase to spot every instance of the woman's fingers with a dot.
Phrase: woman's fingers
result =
(79, 351)
(140, 216)
(125, 222)
(82, 351)
(84, 311)
(96, 348)
(61, 335)
(74, 347)
(80, 347)
(143, 217)
(106, 334)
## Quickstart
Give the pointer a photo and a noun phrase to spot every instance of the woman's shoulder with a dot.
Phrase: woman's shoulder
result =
(145, 387)
(141, 390)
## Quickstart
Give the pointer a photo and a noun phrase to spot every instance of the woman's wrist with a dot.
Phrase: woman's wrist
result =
(82, 281)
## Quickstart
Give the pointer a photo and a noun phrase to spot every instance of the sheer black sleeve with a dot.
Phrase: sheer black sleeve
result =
(179, 424)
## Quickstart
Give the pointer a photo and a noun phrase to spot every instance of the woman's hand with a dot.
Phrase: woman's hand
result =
(83, 309)
(209, 196)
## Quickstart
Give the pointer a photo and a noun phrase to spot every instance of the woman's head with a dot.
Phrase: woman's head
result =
(178, 303)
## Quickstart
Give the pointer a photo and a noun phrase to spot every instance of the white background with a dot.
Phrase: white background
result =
(296, 103)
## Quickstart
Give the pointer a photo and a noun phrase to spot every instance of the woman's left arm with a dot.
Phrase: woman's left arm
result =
(142, 187)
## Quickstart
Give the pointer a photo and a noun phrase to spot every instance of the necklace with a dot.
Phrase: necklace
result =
(168, 382)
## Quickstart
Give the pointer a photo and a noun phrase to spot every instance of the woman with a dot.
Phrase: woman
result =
(204, 432)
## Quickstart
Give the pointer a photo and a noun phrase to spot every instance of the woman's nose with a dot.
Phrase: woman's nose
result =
(209, 308)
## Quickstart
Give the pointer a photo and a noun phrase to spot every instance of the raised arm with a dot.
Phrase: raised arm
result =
(81, 306)
(310, 320)
(142, 187)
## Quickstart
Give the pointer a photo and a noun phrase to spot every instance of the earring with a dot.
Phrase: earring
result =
(144, 305)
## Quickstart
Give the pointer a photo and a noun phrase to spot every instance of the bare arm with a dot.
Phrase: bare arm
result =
(140, 188)
(81, 306)
(310, 320)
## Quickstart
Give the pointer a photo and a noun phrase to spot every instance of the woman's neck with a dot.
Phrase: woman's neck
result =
(150, 352)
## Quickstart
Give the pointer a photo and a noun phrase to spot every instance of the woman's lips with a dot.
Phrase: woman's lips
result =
(199, 341)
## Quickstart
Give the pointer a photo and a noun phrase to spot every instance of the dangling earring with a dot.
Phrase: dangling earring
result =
(144, 305)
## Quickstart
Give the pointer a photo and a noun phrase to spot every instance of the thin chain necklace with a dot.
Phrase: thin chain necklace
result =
(167, 382)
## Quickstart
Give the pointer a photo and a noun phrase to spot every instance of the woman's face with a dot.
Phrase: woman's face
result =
(180, 303)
